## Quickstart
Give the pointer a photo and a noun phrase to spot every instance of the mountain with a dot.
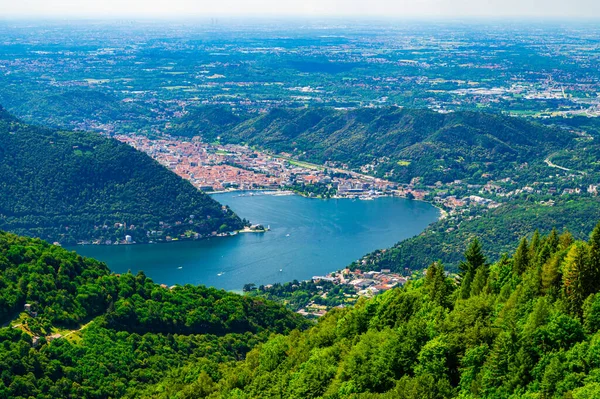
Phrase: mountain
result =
(527, 326)
(77, 186)
(397, 143)
(213, 121)
(88, 333)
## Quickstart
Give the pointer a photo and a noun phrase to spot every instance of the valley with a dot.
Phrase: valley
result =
(321, 207)
(307, 237)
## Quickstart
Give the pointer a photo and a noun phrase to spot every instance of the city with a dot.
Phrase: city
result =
(214, 167)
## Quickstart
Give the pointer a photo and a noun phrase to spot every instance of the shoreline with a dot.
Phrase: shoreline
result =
(234, 190)
(274, 192)
(440, 216)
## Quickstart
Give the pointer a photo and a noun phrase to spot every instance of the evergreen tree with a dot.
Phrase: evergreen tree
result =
(474, 259)
(536, 245)
(435, 280)
(538, 317)
(574, 276)
(543, 255)
(565, 240)
(498, 362)
(591, 314)
(479, 281)
(552, 240)
(521, 258)
(594, 271)
(474, 255)
(551, 273)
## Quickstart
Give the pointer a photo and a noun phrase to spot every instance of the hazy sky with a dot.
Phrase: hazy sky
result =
(388, 8)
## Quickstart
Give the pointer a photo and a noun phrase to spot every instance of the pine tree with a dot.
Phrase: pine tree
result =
(521, 258)
(575, 269)
(480, 280)
(536, 245)
(474, 255)
(551, 273)
(594, 272)
(498, 362)
(543, 255)
(435, 280)
(474, 259)
(565, 240)
(537, 317)
(552, 240)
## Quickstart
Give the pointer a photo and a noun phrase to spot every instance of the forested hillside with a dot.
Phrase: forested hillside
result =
(498, 230)
(75, 186)
(96, 334)
(527, 326)
(395, 143)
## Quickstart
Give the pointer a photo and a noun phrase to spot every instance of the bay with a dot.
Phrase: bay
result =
(308, 237)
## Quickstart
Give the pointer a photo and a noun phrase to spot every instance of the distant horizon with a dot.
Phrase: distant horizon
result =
(252, 18)
(386, 9)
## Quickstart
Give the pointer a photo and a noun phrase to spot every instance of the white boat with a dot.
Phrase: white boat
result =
(180, 267)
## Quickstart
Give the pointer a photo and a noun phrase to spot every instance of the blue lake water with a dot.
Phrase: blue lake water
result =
(308, 237)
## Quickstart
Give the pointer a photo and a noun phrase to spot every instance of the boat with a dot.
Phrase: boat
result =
(220, 274)
(280, 270)
(287, 235)
(180, 267)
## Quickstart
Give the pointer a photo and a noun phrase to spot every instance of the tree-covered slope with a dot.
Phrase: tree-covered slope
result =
(74, 108)
(527, 326)
(498, 229)
(430, 145)
(71, 186)
(118, 333)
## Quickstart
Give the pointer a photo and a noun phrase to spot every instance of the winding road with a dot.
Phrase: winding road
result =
(553, 165)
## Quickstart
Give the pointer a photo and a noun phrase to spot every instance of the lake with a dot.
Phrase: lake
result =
(308, 237)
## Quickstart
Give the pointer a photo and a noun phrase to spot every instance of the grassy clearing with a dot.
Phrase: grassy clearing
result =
(304, 164)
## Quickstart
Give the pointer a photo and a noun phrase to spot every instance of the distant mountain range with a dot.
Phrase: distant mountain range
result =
(395, 143)
(76, 186)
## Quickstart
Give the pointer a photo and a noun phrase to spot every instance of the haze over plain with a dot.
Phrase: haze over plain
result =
(539, 9)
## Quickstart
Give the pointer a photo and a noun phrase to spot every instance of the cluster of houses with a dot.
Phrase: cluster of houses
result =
(364, 284)
(223, 167)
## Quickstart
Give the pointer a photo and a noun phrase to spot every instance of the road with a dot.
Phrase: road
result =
(79, 329)
(553, 165)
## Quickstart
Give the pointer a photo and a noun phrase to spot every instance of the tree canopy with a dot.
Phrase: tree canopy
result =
(78, 186)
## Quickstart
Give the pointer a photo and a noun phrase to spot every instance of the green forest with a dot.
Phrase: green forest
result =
(76, 186)
(116, 333)
(526, 326)
(499, 231)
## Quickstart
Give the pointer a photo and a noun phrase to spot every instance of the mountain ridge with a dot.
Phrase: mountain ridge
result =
(77, 186)
(438, 147)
